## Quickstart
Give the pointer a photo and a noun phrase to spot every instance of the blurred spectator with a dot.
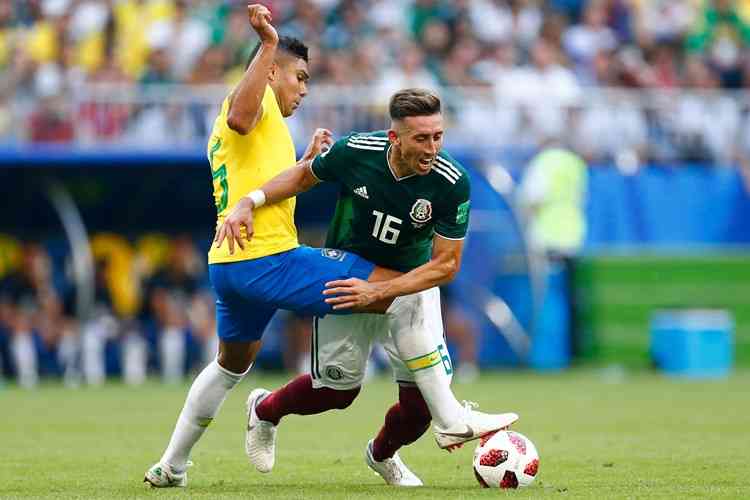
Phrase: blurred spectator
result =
(547, 89)
(168, 296)
(410, 72)
(51, 120)
(706, 123)
(583, 41)
(113, 318)
(31, 309)
(553, 193)
(721, 34)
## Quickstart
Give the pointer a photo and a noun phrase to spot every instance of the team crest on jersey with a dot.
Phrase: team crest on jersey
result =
(334, 373)
(333, 253)
(421, 211)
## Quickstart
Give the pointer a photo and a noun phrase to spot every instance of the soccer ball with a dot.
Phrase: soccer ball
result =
(505, 459)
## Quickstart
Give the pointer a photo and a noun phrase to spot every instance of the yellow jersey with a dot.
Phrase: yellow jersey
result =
(242, 163)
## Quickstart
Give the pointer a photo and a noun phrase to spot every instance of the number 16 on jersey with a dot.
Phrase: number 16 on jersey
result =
(385, 228)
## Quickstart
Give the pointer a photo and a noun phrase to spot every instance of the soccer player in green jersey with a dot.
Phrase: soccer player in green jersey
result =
(404, 204)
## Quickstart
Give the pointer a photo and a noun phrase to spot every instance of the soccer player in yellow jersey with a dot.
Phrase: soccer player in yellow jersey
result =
(250, 144)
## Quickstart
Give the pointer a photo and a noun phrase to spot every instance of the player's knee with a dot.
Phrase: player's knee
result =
(237, 357)
(343, 399)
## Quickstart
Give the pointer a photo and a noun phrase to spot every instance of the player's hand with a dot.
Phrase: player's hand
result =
(260, 19)
(321, 140)
(353, 292)
(231, 229)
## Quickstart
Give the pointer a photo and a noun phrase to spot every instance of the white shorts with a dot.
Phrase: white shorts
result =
(341, 345)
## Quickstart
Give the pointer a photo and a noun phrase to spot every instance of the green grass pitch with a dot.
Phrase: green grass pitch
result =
(600, 434)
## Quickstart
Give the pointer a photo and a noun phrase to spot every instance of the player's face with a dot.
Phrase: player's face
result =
(290, 81)
(418, 139)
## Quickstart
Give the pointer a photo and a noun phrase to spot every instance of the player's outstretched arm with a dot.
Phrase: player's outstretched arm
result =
(291, 182)
(245, 104)
(441, 269)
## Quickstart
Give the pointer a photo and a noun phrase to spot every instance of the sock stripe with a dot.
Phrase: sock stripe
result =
(312, 351)
(315, 335)
(422, 362)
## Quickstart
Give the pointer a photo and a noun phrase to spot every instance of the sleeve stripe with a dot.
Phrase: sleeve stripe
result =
(360, 146)
(444, 174)
(369, 140)
(452, 239)
(448, 165)
(447, 171)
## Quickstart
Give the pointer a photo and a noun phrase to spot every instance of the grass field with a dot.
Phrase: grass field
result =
(600, 434)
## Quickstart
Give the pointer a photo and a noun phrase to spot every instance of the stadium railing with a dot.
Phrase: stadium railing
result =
(625, 126)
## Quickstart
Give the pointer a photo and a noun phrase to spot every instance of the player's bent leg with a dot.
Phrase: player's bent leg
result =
(240, 326)
(405, 422)
(338, 354)
(265, 410)
(426, 362)
(206, 395)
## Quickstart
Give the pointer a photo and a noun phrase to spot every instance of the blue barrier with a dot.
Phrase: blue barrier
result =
(663, 206)
(693, 343)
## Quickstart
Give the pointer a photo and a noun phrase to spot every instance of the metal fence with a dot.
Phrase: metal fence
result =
(625, 126)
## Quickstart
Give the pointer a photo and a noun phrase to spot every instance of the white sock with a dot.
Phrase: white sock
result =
(24, 356)
(206, 395)
(94, 337)
(172, 351)
(67, 354)
(134, 358)
(415, 325)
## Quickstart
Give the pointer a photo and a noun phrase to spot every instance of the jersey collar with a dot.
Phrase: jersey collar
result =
(393, 172)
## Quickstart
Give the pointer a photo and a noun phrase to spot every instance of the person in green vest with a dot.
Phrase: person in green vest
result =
(553, 193)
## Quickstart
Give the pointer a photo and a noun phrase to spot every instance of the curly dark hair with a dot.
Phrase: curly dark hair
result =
(288, 45)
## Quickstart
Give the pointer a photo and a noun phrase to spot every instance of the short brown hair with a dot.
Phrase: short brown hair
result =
(413, 102)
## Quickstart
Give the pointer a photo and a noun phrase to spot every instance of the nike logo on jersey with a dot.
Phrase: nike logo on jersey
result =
(362, 191)
(466, 434)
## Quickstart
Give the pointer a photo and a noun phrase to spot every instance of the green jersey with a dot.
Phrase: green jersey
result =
(388, 220)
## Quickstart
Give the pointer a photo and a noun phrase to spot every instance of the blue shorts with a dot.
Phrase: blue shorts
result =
(248, 292)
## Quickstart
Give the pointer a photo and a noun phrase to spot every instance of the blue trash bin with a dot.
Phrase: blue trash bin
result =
(693, 343)
(550, 348)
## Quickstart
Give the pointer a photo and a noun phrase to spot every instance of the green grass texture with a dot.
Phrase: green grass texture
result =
(604, 433)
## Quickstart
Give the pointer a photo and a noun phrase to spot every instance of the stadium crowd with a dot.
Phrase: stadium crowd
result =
(533, 64)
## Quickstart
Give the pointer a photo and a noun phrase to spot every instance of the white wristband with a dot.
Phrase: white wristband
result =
(258, 197)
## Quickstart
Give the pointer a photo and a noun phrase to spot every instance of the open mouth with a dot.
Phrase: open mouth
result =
(426, 162)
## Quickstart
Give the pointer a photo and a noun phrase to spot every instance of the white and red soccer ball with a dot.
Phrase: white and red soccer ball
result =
(505, 459)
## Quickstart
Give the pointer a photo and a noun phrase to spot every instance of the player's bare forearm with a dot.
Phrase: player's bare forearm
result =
(290, 182)
(441, 269)
(437, 272)
(285, 185)
(245, 106)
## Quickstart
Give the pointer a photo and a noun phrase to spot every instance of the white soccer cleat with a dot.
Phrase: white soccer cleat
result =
(472, 425)
(260, 437)
(392, 470)
(162, 475)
